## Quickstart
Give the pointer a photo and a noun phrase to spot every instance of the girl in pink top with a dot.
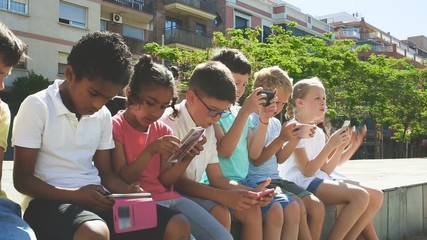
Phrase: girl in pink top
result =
(143, 146)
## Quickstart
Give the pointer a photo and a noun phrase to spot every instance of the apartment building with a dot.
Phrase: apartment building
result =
(265, 13)
(348, 26)
(51, 28)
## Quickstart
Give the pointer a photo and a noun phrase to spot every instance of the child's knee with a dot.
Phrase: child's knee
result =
(250, 216)
(376, 198)
(275, 214)
(222, 215)
(96, 230)
(315, 207)
(178, 225)
(292, 211)
(360, 197)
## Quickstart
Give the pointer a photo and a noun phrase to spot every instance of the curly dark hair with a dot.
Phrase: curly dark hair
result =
(102, 55)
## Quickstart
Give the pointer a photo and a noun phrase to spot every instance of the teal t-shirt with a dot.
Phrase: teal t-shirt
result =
(237, 166)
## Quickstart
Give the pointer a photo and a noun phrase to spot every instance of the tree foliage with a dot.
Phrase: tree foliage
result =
(387, 90)
(25, 86)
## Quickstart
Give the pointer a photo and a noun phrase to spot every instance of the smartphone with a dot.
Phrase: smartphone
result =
(346, 124)
(270, 95)
(129, 195)
(265, 193)
(191, 139)
(305, 130)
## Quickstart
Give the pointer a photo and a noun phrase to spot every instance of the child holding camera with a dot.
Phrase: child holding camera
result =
(235, 139)
(144, 146)
(211, 92)
(278, 142)
(314, 159)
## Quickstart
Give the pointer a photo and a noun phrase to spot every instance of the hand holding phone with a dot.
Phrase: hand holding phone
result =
(265, 193)
(346, 124)
(270, 96)
(306, 130)
(191, 139)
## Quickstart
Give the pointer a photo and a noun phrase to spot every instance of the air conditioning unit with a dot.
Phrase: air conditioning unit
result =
(116, 18)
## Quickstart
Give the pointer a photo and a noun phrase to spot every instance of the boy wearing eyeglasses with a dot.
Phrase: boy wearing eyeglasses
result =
(211, 92)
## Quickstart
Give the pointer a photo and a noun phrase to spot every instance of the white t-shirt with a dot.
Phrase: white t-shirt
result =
(66, 146)
(289, 170)
(181, 125)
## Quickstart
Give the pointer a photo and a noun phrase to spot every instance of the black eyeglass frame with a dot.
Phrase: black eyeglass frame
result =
(213, 113)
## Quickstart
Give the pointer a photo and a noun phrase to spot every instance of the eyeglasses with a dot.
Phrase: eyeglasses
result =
(212, 112)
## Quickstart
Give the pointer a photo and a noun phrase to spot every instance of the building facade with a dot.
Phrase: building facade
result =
(50, 28)
(347, 26)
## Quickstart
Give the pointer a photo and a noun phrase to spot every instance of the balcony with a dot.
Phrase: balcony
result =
(138, 5)
(347, 33)
(196, 8)
(187, 37)
(371, 35)
(136, 46)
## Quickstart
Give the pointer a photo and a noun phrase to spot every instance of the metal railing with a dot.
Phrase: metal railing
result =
(136, 46)
(191, 3)
(187, 37)
(139, 5)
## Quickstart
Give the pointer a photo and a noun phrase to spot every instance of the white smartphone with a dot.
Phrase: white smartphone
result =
(305, 130)
(191, 139)
(346, 124)
(129, 195)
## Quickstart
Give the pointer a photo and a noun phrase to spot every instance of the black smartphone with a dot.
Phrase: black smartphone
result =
(270, 95)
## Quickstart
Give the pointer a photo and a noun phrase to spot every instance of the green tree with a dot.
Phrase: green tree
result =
(24, 86)
(387, 90)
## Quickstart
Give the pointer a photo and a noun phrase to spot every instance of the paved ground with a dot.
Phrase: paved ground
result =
(384, 174)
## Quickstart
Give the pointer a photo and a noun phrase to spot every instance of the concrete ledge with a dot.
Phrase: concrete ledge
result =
(404, 182)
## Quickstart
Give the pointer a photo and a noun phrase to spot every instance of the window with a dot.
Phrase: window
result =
(62, 62)
(241, 23)
(103, 25)
(266, 31)
(172, 23)
(200, 29)
(72, 14)
(19, 6)
(133, 32)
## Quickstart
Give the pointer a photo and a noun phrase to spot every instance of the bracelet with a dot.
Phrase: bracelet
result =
(265, 123)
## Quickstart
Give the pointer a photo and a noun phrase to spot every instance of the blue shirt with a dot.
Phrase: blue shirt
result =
(269, 169)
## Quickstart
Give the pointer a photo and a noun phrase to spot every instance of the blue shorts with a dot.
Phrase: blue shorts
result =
(281, 198)
(314, 185)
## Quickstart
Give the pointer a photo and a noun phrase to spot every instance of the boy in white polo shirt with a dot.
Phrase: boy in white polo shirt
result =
(63, 136)
(211, 92)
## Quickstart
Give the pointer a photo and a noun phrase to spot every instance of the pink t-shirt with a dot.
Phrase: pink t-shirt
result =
(134, 142)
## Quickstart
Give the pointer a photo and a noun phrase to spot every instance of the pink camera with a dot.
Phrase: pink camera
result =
(131, 214)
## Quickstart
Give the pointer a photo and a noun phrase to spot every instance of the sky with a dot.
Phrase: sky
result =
(402, 19)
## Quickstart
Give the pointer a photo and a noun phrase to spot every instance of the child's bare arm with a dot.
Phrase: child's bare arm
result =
(286, 151)
(27, 183)
(333, 161)
(307, 167)
(172, 173)
(227, 142)
(115, 184)
(129, 172)
(356, 140)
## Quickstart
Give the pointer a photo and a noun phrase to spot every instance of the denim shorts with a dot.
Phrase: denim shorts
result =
(314, 185)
